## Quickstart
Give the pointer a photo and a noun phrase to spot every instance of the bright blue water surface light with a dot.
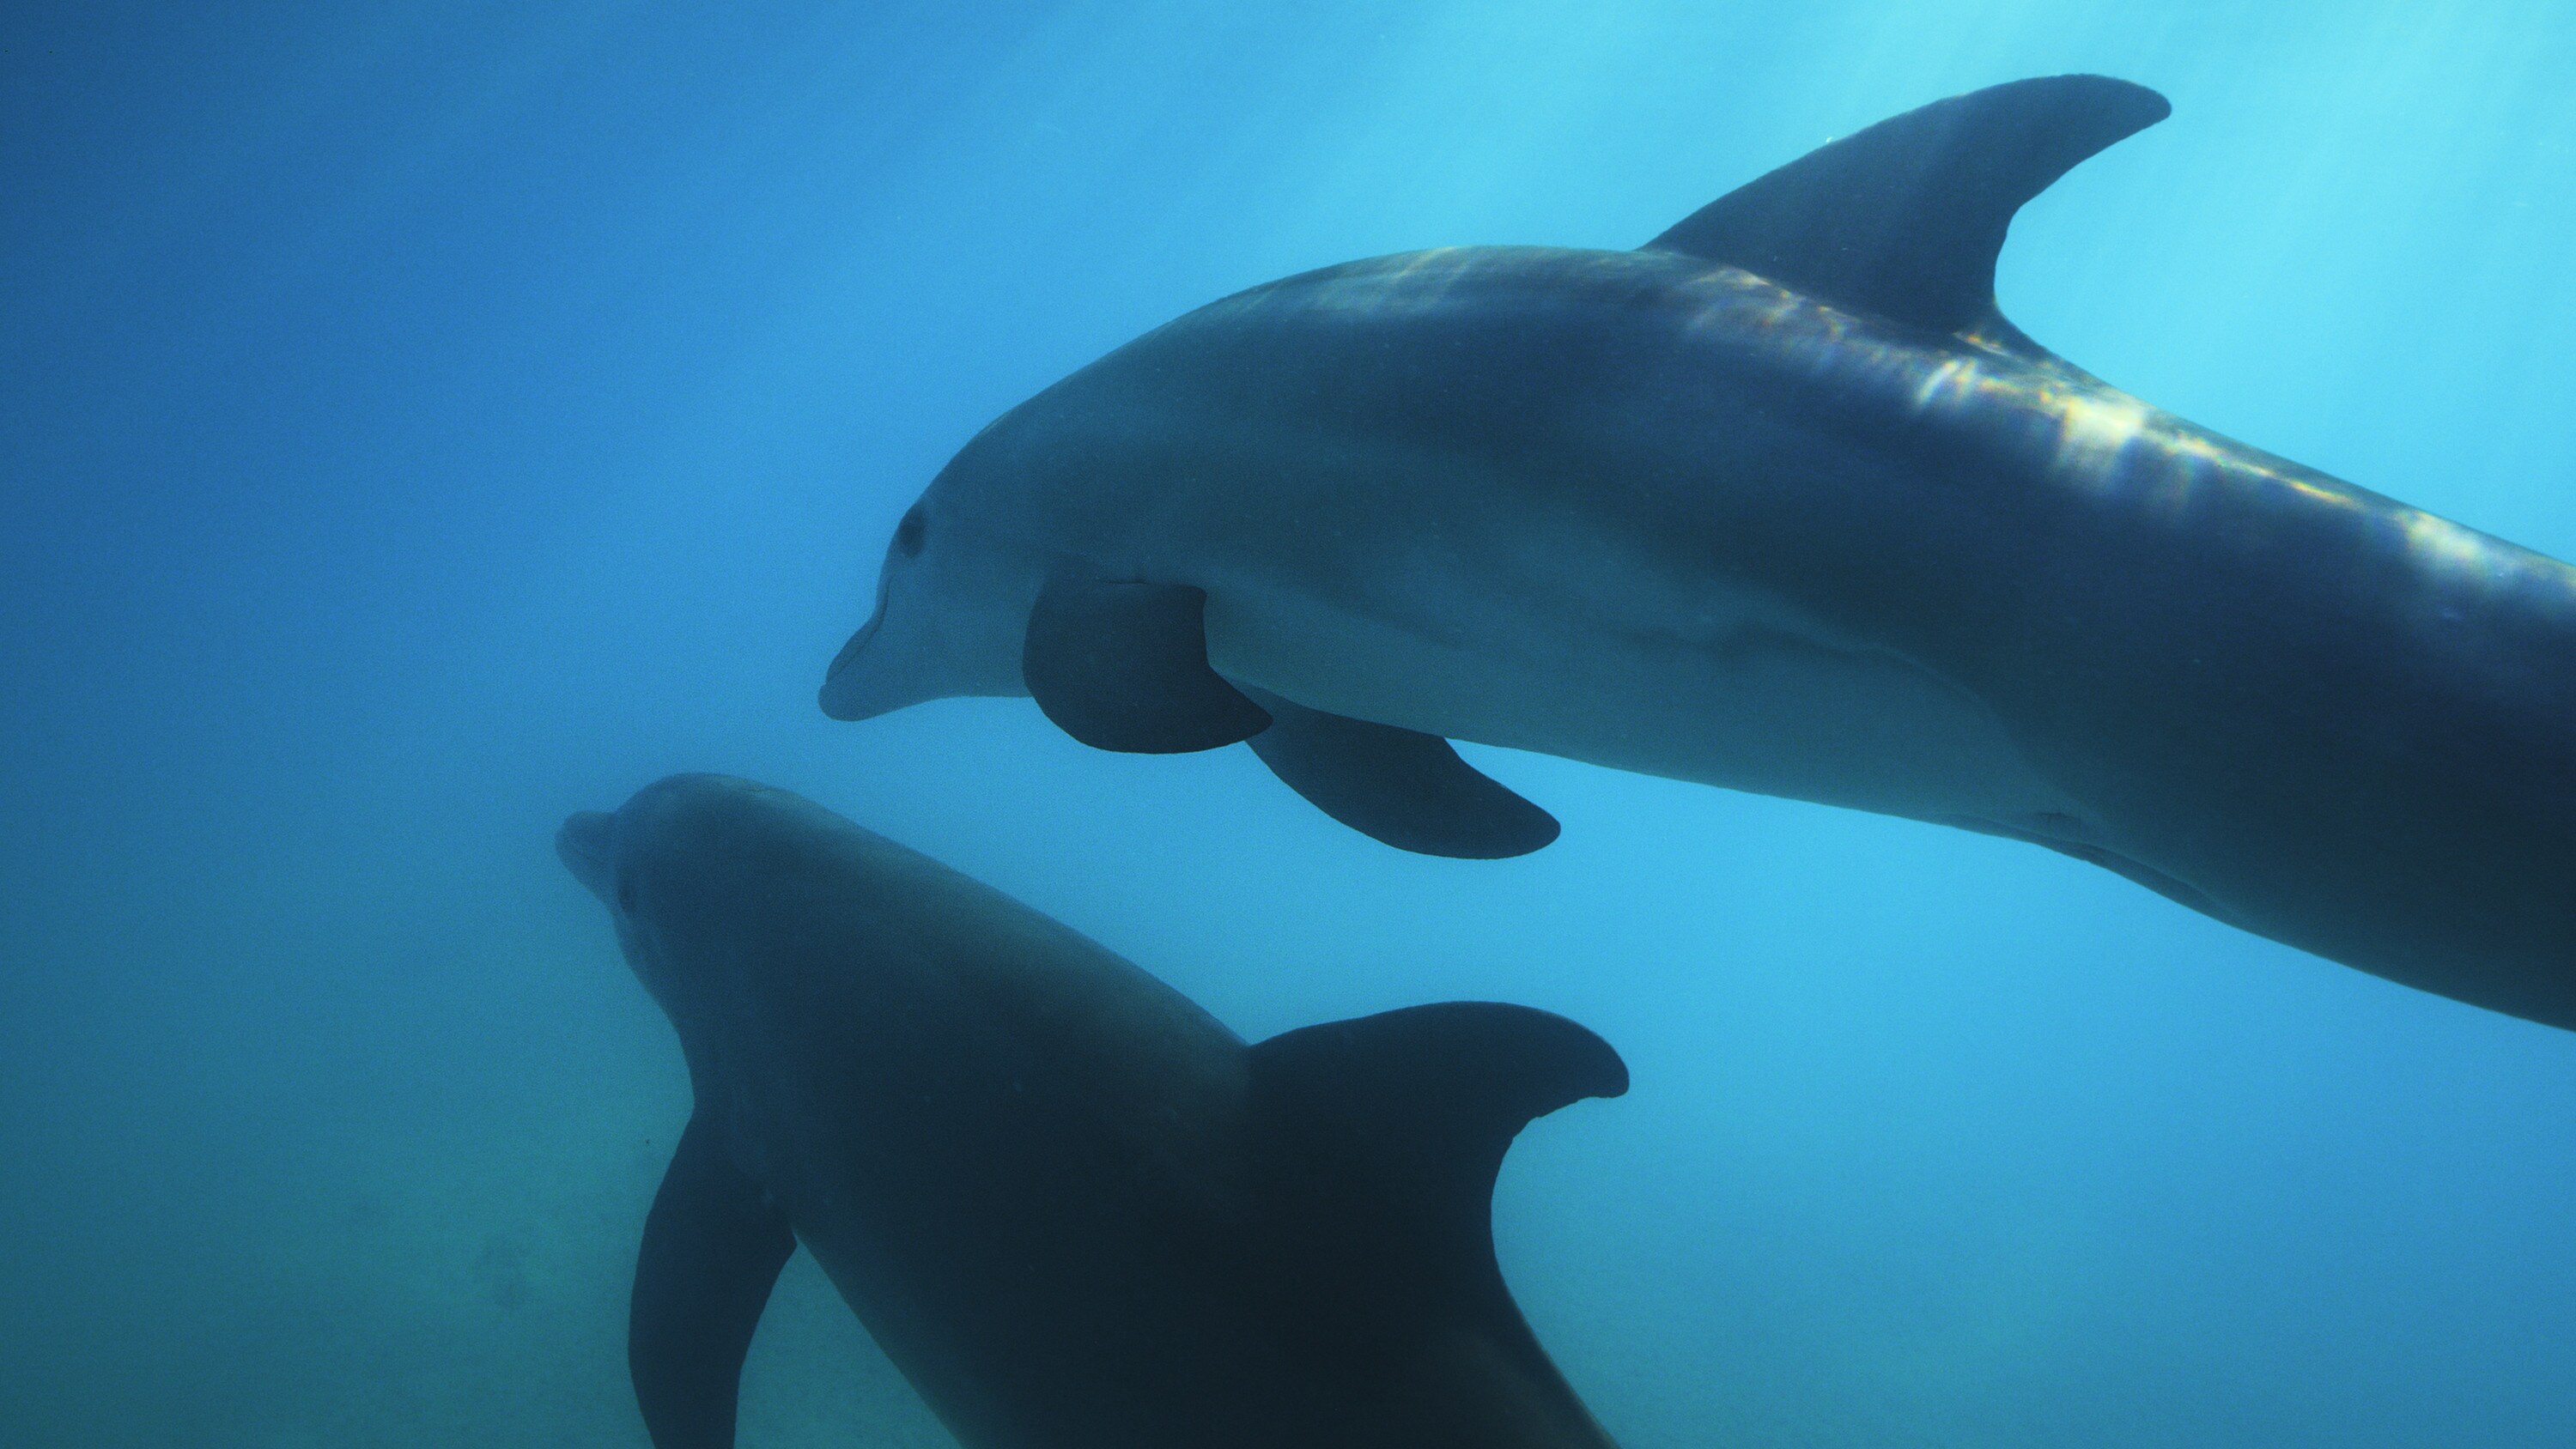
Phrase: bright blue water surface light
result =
(419, 422)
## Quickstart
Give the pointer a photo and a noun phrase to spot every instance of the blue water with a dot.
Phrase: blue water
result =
(419, 422)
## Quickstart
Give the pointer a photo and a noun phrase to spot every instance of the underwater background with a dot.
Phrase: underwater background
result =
(420, 422)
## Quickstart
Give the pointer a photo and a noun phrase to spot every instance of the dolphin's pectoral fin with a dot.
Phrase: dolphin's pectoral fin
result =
(1123, 666)
(1905, 218)
(712, 1250)
(1399, 786)
(1394, 1125)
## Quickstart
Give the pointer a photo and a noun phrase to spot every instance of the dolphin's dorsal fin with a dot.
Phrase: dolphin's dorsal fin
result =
(1905, 219)
(1392, 1127)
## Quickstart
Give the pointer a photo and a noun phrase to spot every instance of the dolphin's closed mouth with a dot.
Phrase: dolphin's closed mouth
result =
(584, 843)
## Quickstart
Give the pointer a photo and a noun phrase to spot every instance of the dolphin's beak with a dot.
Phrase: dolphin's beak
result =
(845, 693)
(584, 843)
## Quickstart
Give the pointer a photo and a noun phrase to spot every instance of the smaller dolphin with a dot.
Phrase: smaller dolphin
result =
(1072, 1207)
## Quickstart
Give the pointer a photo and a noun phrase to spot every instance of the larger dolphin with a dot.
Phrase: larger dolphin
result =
(1778, 502)
(1073, 1208)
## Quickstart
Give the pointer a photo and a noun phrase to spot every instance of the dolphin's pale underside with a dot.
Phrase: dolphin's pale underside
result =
(1778, 502)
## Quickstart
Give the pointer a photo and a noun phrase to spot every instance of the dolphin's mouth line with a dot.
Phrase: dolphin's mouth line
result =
(858, 644)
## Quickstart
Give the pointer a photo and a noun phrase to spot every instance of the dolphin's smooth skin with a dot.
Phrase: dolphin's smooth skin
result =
(1075, 1210)
(1778, 502)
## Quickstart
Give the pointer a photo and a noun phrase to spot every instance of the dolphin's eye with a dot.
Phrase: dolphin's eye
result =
(626, 896)
(907, 534)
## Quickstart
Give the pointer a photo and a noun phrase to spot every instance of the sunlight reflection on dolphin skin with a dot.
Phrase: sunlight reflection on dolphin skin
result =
(2105, 442)
(2092, 433)
(2071, 429)
(1954, 378)
(2465, 553)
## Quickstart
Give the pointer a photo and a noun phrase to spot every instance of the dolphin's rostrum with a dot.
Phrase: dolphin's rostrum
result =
(1074, 1209)
(1778, 502)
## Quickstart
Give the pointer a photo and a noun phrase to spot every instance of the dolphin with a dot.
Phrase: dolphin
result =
(1074, 1209)
(1778, 502)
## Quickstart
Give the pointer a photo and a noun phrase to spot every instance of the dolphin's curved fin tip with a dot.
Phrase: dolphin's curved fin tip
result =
(1399, 786)
(1905, 218)
(1419, 1105)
